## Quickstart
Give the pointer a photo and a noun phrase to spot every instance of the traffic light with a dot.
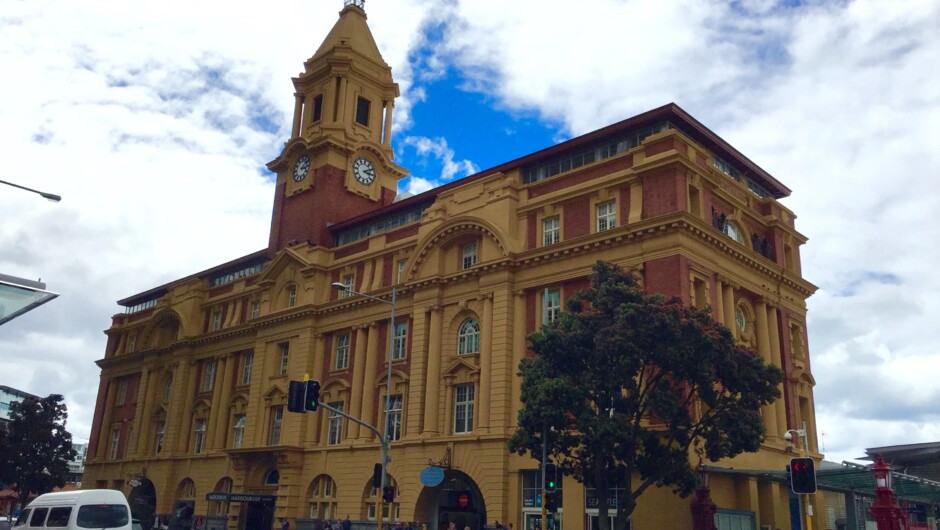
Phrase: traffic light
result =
(388, 494)
(377, 476)
(312, 395)
(295, 396)
(551, 502)
(550, 472)
(802, 475)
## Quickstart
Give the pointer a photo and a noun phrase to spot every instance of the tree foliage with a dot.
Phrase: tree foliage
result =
(629, 384)
(35, 449)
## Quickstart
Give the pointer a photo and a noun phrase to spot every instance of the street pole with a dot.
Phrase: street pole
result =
(805, 441)
(544, 460)
(384, 438)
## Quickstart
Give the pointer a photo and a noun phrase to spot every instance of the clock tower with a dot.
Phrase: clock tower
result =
(338, 163)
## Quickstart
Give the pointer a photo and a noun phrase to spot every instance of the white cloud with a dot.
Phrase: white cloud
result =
(436, 149)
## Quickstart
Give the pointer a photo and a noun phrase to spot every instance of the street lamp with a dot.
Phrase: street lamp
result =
(50, 196)
(387, 441)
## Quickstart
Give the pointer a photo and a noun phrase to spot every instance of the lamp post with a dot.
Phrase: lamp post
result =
(703, 508)
(885, 508)
(387, 441)
(50, 196)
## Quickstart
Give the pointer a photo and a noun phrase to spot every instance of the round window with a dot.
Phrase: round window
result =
(741, 318)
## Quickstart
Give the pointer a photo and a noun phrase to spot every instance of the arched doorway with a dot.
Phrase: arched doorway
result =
(143, 501)
(456, 500)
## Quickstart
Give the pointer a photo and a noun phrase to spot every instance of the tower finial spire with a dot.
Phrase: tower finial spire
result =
(361, 4)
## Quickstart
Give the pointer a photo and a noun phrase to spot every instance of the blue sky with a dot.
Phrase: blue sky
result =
(155, 122)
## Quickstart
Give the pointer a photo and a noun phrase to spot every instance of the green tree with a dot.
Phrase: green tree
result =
(35, 449)
(629, 384)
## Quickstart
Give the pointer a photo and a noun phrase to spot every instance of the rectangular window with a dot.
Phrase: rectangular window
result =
(238, 431)
(199, 439)
(335, 431)
(342, 352)
(161, 432)
(551, 231)
(121, 392)
(39, 517)
(401, 269)
(469, 255)
(274, 431)
(463, 409)
(552, 305)
(401, 341)
(132, 342)
(167, 390)
(362, 111)
(59, 517)
(216, 320)
(394, 418)
(317, 107)
(291, 296)
(350, 282)
(285, 355)
(115, 443)
(208, 378)
(606, 216)
(255, 309)
(248, 360)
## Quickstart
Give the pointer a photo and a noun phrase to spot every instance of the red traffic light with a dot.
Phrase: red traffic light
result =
(803, 475)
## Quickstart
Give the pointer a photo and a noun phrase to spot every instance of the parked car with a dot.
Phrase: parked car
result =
(77, 510)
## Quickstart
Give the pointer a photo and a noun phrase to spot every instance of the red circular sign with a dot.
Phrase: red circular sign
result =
(463, 500)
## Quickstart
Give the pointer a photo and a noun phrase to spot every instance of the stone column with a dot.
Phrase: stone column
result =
(223, 416)
(486, 359)
(518, 352)
(780, 406)
(104, 432)
(433, 379)
(387, 136)
(185, 416)
(317, 372)
(298, 107)
(419, 358)
(720, 302)
(367, 412)
(359, 371)
(341, 101)
(213, 418)
(763, 348)
(449, 406)
(139, 408)
(728, 303)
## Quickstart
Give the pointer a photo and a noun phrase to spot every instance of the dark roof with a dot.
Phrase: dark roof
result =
(671, 112)
(16, 392)
(218, 269)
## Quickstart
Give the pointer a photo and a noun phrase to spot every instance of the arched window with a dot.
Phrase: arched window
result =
(468, 338)
(735, 232)
(272, 478)
(221, 508)
(322, 498)
(186, 490)
(389, 512)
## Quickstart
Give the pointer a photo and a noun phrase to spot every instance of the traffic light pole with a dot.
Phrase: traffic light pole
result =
(544, 461)
(380, 502)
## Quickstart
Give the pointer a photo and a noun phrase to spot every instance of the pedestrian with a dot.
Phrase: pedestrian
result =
(285, 525)
(337, 525)
(347, 525)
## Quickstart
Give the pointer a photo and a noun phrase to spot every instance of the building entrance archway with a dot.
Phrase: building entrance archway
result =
(456, 500)
(143, 501)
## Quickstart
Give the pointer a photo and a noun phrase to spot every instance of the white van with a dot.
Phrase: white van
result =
(76, 510)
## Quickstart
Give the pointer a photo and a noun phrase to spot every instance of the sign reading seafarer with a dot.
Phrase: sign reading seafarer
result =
(432, 476)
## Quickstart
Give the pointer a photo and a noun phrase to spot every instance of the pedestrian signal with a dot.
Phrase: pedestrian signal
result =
(550, 473)
(388, 494)
(803, 475)
(377, 476)
(312, 395)
(551, 502)
(295, 396)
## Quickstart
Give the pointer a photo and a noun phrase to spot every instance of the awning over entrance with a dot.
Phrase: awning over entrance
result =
(855, 478)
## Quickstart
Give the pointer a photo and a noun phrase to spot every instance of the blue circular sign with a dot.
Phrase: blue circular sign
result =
(432, 476)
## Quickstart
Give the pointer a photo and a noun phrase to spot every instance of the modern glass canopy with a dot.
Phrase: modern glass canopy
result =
(17, 296)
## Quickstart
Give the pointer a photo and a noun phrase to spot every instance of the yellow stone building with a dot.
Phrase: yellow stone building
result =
(191, 413)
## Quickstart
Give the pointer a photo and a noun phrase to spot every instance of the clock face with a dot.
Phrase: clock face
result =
(301, 167)
(363, 170)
